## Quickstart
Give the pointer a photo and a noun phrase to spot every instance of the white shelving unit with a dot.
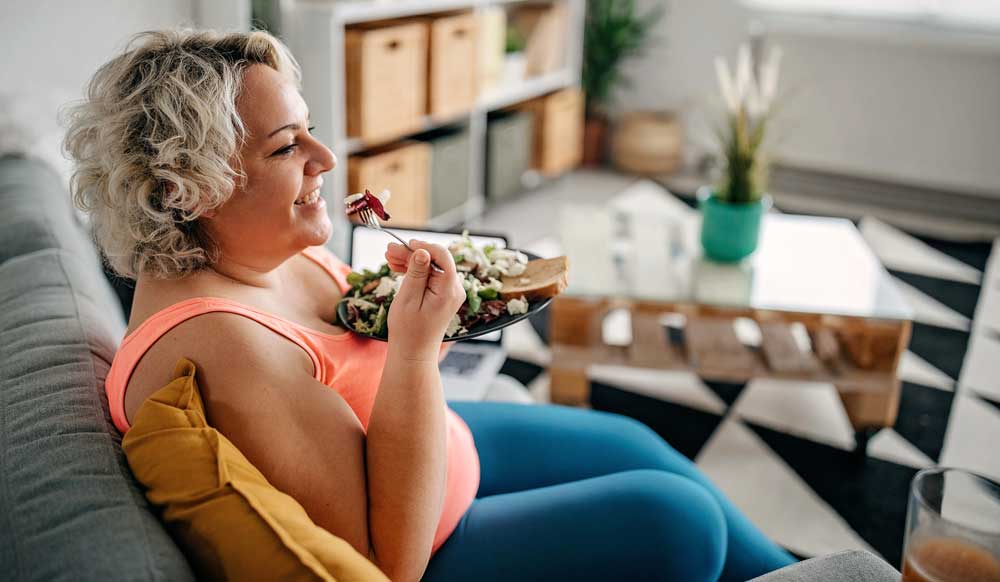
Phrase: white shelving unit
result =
(315, 31)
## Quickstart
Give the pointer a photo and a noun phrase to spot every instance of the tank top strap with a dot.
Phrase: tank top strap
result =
(331, 264)
(135, 345)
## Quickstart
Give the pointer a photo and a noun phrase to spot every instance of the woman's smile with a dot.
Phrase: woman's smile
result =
(311, 201)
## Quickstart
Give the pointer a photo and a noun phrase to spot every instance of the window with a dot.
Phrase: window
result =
(965, 14)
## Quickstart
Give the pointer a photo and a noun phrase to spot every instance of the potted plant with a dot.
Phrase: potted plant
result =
(612, 32)
(514, 60)
(732, 209)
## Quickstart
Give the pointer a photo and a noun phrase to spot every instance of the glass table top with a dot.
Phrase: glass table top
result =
(645, 247)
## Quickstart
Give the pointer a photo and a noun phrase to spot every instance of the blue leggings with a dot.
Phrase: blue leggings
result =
(571, 494)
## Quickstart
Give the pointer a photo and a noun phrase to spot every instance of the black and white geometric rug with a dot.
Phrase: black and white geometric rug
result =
(785, 456)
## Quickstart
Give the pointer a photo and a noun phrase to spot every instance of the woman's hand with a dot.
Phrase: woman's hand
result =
(426, 301)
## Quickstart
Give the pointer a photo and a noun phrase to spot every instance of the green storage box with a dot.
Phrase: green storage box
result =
(449, 170)
(508, 153)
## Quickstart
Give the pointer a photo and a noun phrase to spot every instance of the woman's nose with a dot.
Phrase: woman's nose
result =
(323, 160)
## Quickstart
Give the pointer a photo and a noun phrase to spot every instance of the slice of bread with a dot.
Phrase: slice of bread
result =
(542, 279)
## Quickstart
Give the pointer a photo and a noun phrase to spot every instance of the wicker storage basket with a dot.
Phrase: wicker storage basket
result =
(544, 28)
(491, 39)
(386, 70)
(405, 170)
(648, 142)
(558, 139)
(454, 65)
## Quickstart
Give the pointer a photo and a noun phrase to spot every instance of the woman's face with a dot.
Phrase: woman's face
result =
(283, 163)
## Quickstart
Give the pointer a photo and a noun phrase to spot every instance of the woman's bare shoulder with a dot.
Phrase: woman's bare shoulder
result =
(154, 295)
(220, 344)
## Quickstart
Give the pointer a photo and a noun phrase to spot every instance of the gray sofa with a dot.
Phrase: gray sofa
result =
(70, 508)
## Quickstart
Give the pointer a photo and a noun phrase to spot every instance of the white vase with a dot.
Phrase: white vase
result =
(514, 65)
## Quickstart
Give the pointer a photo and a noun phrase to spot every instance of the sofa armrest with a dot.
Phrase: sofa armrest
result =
(849, 566)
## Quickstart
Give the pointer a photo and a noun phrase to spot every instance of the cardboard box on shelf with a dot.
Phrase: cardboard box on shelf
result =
(544, 28)
(492, 45)
(386, 70)
(453, 64)
(558, 133)
(404, 169)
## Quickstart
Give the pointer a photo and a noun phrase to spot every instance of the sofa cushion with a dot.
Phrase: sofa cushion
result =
(208, 490)
(847, 566)
(71, 508)
(36, 213)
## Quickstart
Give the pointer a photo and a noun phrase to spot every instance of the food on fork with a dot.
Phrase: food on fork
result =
(356, 203)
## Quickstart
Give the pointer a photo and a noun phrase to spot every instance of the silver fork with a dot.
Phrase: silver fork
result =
(369, 219)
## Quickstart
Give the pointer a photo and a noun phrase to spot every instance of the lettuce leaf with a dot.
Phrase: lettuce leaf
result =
(488, 293)
(381, 319)
(474, 302)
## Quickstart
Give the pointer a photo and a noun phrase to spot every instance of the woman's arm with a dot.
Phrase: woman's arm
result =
(259, 392)
(407, 464)
(406, 444)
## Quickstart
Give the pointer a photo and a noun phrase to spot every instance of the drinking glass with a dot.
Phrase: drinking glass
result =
(952, 528)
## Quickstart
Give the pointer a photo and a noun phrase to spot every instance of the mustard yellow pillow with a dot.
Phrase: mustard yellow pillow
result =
(229, 521)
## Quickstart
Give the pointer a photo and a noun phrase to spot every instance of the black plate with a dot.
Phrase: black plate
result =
(497, 324)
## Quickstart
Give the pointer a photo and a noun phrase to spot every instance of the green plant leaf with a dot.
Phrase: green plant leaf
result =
(613, 32)
(514, 40)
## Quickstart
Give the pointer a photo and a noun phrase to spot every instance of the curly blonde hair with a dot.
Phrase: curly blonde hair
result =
(154, 142)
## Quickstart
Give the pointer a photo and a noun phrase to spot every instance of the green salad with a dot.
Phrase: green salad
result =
(481, 270)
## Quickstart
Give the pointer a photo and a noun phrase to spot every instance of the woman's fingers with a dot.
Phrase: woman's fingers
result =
(447, 286)
(398, 257)
(396, 267)
(441, 256)
(415, 282)
(443, 286)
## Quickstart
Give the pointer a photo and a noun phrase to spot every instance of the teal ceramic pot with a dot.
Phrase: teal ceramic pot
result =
(729, 232)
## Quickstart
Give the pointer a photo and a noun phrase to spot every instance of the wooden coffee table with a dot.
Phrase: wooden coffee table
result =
(813, 303)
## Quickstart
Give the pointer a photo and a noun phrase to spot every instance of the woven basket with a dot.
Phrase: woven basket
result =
(648, 142)
(386, 80)
(453, 75)
(403, 168)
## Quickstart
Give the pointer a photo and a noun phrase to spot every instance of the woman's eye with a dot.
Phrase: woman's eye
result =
(289, 148)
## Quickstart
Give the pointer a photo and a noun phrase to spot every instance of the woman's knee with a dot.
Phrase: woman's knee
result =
(640, 441)
(633, 430)
(679, 525)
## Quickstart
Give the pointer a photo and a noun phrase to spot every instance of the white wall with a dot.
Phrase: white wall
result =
(928, 115)
(51, 49)
(924, 113)
(58, 44)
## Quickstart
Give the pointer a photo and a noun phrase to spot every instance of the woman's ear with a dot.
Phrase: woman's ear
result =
(208, 214)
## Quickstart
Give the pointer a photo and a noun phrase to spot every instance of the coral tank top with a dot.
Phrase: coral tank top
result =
(350, 364)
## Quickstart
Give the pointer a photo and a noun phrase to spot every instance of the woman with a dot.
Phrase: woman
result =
(195, 159)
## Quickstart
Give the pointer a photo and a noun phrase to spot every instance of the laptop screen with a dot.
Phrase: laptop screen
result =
(368, 250)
